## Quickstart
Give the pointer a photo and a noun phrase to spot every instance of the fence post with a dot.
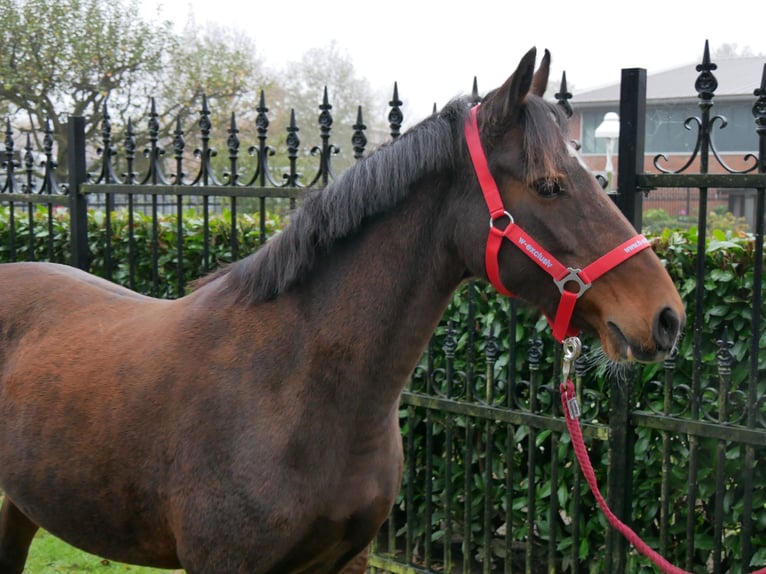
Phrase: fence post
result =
(620, 471)
(78, 213)
(629, 199)
(630, 160)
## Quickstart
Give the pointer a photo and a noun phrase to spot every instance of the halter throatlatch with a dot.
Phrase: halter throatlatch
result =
(502, 226)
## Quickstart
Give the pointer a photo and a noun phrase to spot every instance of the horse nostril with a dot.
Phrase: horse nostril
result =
(665, 329)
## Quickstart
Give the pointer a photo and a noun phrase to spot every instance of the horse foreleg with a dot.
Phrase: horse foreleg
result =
(358, 564)
(16, 534)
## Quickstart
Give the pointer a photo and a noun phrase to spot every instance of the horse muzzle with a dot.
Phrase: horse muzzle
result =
(666, 328)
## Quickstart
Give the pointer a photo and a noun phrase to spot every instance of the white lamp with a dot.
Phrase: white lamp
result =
(609, 129)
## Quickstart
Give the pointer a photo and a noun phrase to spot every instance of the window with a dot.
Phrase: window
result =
(665, 131)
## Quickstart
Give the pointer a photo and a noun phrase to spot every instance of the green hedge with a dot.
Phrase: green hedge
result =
(729, 261)
(54, 245)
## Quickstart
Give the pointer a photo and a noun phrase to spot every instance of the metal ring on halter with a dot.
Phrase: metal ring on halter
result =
(573, 275)
(492, 220)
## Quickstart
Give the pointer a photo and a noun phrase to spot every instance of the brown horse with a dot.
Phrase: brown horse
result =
(251, 426)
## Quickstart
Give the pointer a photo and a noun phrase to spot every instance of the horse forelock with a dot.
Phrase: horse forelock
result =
(545, 138)
(370, 187)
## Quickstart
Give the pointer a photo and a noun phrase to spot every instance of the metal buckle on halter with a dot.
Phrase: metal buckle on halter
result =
(493, 219)
(573, 275)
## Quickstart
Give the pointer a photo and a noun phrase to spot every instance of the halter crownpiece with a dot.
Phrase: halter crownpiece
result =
(561, 274)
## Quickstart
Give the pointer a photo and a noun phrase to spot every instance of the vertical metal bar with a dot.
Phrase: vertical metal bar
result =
(130, 178)
(206, 233)
(78, 204)
(630, 161)
(31, 231)
(510, 386)
(262, 125)
(50, 186)
(262, 221)
(470, 291)
(670, 366)
(534, 375)
(510, 444)
(392, 534)
(12, 230)
(619, 475)
(29, 187)
(109, 200)
(429, 470)
(705, 88)
(725, 359)
(510, 389)
(759, 113)
(234, 231)
(691, 501)
(553, 508)
(410, 491)
(155, 247)
(469, 430)
(49, 238)
(468, 498)
(179, 246)
(10, 185)
(491, 354)
(131, 243)
(450, 345)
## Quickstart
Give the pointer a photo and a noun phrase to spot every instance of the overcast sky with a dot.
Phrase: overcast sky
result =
(433, 49)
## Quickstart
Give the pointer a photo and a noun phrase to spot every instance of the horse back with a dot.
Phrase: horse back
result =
(36, 295)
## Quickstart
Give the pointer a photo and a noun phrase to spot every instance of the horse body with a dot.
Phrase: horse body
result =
(171, 474)
(301, 410)
(252, 426)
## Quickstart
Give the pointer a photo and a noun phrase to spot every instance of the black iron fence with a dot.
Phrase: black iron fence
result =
(737, 419)
(490, 479)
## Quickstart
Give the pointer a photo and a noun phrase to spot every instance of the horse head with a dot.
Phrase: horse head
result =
(556, 239)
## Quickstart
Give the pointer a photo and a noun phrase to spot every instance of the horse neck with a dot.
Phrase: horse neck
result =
(376, 298)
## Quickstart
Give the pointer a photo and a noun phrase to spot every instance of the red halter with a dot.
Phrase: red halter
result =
(561, 274)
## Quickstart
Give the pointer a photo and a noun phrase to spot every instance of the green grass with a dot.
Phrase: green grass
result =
(49, 555)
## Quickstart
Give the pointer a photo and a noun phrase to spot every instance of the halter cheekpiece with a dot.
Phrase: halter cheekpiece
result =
(503, 226)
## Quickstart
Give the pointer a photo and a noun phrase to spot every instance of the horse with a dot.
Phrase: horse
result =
(251, 426)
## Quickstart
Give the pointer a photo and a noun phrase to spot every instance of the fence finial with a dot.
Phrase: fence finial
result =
(358, 139)
(563, 96)
(395, 116)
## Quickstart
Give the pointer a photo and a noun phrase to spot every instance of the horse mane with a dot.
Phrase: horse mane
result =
(373, 186)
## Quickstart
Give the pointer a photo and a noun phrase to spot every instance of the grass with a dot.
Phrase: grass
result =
(49, 555)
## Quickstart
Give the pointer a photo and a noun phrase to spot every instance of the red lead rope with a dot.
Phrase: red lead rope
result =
(572, 413)
(567, 396)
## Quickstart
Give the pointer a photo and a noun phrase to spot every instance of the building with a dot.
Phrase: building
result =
(671, 101)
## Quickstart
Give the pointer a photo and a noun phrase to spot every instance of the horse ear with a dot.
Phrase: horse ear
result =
(540, 80)
(501, 106)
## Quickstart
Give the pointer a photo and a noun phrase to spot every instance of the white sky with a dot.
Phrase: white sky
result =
(433, 49)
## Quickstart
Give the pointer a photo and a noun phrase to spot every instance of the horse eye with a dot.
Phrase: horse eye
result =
(548, 187)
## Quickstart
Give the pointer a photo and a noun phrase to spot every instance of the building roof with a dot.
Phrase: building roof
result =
(737, 78)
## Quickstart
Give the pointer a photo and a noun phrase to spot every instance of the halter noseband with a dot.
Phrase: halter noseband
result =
(561, 274)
